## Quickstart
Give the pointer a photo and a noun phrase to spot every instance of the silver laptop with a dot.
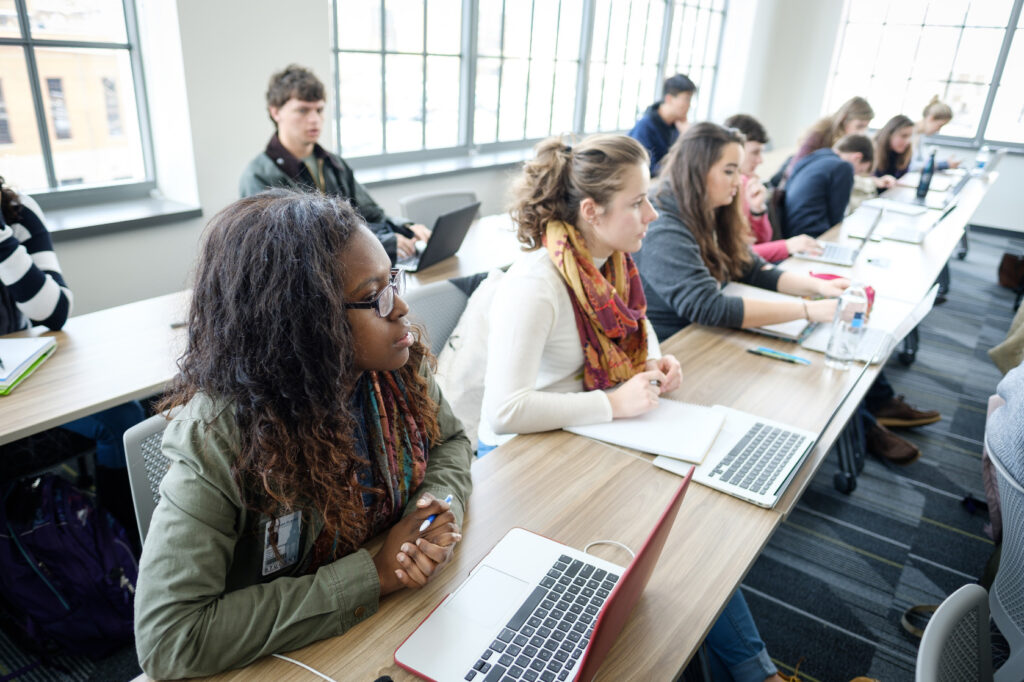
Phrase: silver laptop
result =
(534, 609)
(912, 232)
(752, 458)
(445, 239)
(838, 254)
(935, 200)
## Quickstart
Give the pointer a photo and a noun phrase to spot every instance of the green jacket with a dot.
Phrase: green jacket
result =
(202, 604)
(277, 167)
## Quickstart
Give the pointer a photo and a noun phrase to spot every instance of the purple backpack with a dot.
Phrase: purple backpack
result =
(67, 572)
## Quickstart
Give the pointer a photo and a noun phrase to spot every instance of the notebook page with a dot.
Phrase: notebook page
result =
(674, 429)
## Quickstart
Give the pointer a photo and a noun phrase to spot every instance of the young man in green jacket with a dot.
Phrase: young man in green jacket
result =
(293, 159)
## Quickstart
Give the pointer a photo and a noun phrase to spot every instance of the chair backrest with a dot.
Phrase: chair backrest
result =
(427, 207)
(1006, 600)
(956, 645)
(436, 307)
(146, 466)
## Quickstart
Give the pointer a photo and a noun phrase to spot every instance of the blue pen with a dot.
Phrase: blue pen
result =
(778, 355)
(430, 519)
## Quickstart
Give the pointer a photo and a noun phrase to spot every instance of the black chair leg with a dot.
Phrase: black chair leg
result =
(910, 346)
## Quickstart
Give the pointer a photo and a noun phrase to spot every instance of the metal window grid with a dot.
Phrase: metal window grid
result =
(992, 86)
(469, 56)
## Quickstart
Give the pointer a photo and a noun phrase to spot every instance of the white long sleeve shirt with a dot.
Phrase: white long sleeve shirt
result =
(534, 376)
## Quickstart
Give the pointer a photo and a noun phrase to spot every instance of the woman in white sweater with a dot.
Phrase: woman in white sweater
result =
(569, 340)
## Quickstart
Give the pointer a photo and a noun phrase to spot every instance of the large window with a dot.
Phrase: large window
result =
(422, 78)
(70, 75)
(901, 53)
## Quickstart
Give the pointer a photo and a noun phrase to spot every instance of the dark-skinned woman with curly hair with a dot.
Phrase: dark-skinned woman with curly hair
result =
(309, 423)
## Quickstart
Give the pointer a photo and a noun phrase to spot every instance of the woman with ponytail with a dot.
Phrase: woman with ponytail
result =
(934, 117)
(569, 338)
(309, 422)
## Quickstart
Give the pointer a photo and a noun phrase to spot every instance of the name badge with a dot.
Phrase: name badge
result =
(288, 534)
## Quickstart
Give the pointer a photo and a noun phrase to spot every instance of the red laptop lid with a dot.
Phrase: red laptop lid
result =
(628, 589)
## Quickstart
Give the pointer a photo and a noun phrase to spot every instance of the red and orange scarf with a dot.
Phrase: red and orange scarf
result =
(609, 305)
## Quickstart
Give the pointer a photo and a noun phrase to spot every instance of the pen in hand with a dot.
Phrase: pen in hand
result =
(430, 519)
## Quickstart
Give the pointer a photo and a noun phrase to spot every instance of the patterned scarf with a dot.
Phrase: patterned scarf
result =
(397, 449)
(609, 306)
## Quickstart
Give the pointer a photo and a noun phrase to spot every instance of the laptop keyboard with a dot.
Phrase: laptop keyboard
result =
(757, 458)
(836, 252)
(546, 637)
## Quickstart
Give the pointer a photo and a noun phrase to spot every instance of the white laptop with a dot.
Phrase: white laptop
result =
(838, 254)
(936, 200)
(534, 609)
(912, 231)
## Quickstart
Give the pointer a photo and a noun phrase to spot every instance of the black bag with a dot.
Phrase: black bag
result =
(1011, 271)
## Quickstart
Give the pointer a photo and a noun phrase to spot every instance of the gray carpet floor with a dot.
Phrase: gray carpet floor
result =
(831, 585)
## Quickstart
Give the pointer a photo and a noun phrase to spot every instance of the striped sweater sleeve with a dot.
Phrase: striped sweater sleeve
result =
(30, 272)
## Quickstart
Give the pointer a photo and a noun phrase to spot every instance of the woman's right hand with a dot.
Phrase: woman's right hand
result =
(638, 395)
(803, 243)
(405, 246)
(822, 310)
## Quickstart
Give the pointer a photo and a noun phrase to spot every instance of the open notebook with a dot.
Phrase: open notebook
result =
(794, 330)
(672, 429)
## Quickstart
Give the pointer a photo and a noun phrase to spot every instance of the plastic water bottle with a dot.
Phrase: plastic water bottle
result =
(848, 327)
(982, 159)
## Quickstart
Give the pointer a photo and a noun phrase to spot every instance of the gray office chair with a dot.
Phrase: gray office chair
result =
(425, 208)
(146, 466)
(956, 645)
(437, 308)
(1006, 600)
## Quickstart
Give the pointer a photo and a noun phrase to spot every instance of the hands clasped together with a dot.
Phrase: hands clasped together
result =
(410, 558)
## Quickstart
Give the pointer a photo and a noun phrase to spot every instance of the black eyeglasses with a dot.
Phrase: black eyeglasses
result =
(384, 302)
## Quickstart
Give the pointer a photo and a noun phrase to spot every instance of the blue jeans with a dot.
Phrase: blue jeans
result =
(735, 650)
(107, 429)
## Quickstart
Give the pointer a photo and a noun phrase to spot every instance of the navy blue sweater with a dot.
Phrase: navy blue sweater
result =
(817, 193)
(653, 133)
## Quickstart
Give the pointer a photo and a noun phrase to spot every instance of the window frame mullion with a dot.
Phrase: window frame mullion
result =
(45, 148)
(583, 70)
(997, 72)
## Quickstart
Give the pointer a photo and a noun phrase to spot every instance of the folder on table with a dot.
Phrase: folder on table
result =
(20, 357)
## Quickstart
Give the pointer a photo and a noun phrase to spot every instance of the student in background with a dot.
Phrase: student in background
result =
(754, 196)
(936, 114)
(293, 159)
(696, 246)
(851, 118)
(893, 150)
(663, 121)
(818, 190)
(33, 292)
(570, 343)
(295, 445)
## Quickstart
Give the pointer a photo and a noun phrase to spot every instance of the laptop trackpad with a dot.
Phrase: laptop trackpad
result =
(488, 597)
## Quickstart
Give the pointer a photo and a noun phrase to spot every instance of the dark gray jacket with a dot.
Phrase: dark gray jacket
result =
(277, 167)
(678, 285)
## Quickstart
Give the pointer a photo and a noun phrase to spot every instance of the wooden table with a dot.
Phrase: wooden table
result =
(129, 352)
(572, 490)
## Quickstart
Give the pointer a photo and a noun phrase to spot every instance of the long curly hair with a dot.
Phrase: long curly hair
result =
(268, 331)
(720, 232)
(10, 205)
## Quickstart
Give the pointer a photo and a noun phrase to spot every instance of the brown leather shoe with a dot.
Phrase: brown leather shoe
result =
(887, 445)
(897, 412)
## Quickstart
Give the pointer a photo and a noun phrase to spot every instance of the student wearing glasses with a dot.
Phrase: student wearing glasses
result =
(570, 342)
(309, 423)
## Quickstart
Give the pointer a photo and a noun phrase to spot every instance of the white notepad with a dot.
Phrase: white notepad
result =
(674, 429)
